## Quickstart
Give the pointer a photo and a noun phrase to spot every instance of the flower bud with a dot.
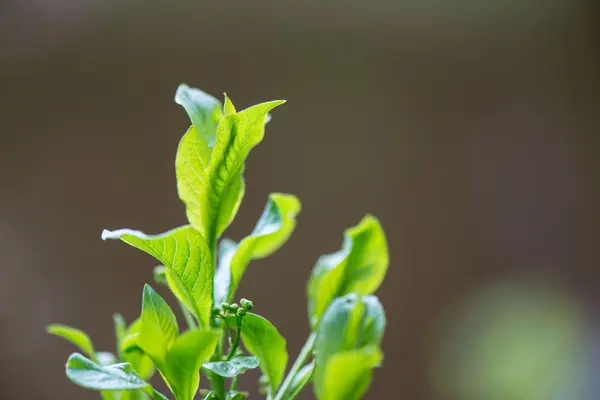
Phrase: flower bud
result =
(233, 307)
(247, 304)
(241, 312)
(224, 306)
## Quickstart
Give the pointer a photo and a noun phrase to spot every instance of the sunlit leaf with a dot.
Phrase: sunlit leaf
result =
(212, 190)
(237, 134)
(228, 107)
(359, 267)
(75, 336)
(265, 342)
(159, 327)
(188, 260)
(205, 112)
(185, 359)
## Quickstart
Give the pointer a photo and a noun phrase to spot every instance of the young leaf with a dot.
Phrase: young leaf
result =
(184, 360)
(349, 374)
(205, 113)
(237, 134)
(228, 107)
(263, 340)
(272, 230)
(359, 267)
(188, 260)
(159, 327)
(373, 322)
(234, 367)
(88, 374)
(195, 148)
(350, 331)
(128, 349)
(140, 362)
(212, 191)
(75, 336)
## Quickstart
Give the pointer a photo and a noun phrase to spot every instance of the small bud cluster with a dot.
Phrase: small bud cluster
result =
(234, 309)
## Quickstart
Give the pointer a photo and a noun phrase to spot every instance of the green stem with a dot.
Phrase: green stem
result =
(299, 389)
(218, 386)
(229, 330)
(234, 382)
(217, 382)
(304, 355)
(237, 339)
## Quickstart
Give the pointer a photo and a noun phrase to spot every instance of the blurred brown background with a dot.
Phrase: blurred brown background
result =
(470, 129)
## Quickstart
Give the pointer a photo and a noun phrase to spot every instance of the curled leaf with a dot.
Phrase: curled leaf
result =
(359, 267)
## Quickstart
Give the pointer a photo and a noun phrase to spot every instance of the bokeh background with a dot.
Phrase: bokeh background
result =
(471, 129)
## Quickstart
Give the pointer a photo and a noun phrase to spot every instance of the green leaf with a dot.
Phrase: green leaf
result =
(105, 359)
(88, 374)
(140, 362)
(185, 359)
(128, 348)
(75, 336)
(272, 230)
(212, 190)
(205, 113)
(188, 260)
(359, 267)
(349, 374)
(159, 327)
(233, 367)
(373, 322)
(228, 107)
(229, 203)
(263, 340)
(237, 134)
(347, 347)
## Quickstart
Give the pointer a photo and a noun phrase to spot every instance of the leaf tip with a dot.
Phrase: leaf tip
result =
(51, 328)
(181, 91)
(148, 289)
(106, 234)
